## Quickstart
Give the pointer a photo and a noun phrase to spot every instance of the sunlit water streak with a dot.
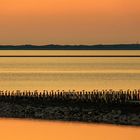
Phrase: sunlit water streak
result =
(69, 52)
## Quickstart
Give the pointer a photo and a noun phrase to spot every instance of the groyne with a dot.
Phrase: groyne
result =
(102, 106)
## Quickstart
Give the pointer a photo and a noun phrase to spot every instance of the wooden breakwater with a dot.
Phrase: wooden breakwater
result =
(105, 106)
(72, 96)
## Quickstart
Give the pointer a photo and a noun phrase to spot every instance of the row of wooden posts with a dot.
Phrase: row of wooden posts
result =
(106, 96)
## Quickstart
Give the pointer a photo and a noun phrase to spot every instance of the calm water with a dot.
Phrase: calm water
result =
(69, 73)
(43, 130)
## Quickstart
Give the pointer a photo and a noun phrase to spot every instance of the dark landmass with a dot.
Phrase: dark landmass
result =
(72, 47)
(111, 107)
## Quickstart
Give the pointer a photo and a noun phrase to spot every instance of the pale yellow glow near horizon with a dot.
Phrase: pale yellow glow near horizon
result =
(69, 21)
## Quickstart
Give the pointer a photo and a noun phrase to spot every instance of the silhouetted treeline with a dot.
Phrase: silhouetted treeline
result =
(71, 97)
(72, 47)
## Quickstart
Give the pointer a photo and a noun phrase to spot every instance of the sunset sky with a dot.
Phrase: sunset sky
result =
(69, 21)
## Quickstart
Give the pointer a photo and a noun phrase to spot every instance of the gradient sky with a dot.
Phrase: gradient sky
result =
(69, 21)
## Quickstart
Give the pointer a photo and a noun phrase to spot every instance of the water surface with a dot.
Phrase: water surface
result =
(34, 73)
(31, 73)
(35, 130)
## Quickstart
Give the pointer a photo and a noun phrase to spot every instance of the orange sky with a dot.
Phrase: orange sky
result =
(69, 21)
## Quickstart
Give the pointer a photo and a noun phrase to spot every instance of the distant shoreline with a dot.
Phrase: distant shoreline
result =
(71, 47)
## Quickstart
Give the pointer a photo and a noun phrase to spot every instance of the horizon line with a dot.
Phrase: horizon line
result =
(50, 44)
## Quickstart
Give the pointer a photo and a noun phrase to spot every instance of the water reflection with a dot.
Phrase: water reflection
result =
(35, 130)
(69, 73)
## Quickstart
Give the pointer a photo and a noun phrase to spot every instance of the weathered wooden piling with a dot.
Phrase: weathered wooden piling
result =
(107, 106)
(95, 96)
